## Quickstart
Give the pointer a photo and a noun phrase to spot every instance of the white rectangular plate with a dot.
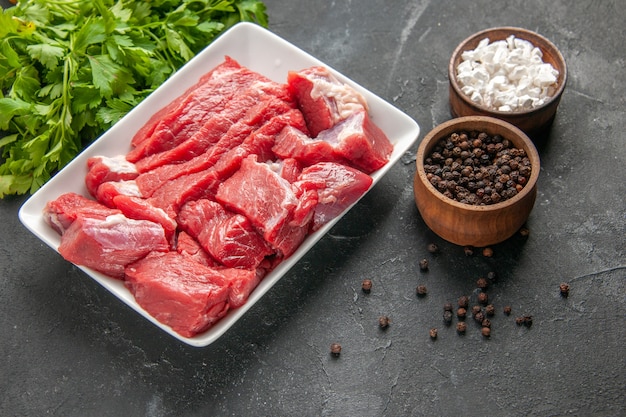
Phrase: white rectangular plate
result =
(261, 51)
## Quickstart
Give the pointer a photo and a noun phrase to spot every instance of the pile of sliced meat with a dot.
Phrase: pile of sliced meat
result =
(220, 186)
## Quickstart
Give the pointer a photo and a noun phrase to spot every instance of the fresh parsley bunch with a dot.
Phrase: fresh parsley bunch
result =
(70, 69)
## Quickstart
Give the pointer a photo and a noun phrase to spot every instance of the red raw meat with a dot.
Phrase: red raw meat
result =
(244, 112)
(179, 292)
(61, 212)
(241, 282)
(337, 186)
(293, 143)
(358, 140)
(101, 169)
(140, 209)
(188, 246)
(111, 189)
(228, 237)
(108, 245)
(259, 142)
(268, 201)
(180, 119)
(323, 99)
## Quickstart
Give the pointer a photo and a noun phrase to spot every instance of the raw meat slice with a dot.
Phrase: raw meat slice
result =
(241, 282)
(228, 237)
(140, 209)
(293, 143)
(337, 186)
(358, 140)
(109, 190)
(61, 212)
(268, 201)
(187, 113)
(259, 142)
(180, 293)
(323, 99)
(108, 245)
(188, 246)
(245, 111)
(101, 169)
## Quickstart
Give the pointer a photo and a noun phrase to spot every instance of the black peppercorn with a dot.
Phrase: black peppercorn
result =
(483, 298)
(447, 317)
(468, 250)
(433, 333)
(461, 313)
(564, 289)
(424, 264)
(366, 286)
(383, 322)
(335, 349)
(463, 301)
(486, 331)
(487, 252)
(490, 310)
(421, 290)
(482, 283)
(461, 327)
(433, 248)
(447, 307)
(507, 310)
(485, 323)
(475, 310)
(479, 317)
(492, 276)
(524, 320)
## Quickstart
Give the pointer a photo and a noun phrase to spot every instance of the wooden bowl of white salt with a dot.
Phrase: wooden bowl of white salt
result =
(509, 73)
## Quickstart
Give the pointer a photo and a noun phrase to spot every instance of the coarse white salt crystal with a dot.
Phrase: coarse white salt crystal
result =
(508, 75)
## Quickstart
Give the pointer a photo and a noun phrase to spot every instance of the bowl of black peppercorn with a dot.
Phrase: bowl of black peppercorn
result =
(476, 180)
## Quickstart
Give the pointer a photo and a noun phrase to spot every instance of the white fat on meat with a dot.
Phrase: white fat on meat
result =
(118, 164)
(347, 100)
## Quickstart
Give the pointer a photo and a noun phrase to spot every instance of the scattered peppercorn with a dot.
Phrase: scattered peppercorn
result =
(461, 327)
(476, 309)
(483, 298)
(447, 317)
(487, 252)
(433, 248)
(564, 289)
(463, 301)
(492, 276)
(424, 264)
(335, 349)
(383, 322)
(366, 286)
(468, 250)
(433, 333)
(479, 317)
(486, 331)
(507, 310)
(482, 283)
(447, 307)
(490, 310)
(524, 320)
(421, 290)
(486, 323)
(524, 232)
(461, 313)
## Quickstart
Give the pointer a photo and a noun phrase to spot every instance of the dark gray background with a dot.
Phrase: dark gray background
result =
(70, 348)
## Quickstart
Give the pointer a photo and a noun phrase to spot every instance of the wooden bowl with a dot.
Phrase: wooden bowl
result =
(536, 122)
(474, 225)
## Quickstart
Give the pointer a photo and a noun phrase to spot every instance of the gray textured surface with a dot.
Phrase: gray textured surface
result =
(70, 348)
